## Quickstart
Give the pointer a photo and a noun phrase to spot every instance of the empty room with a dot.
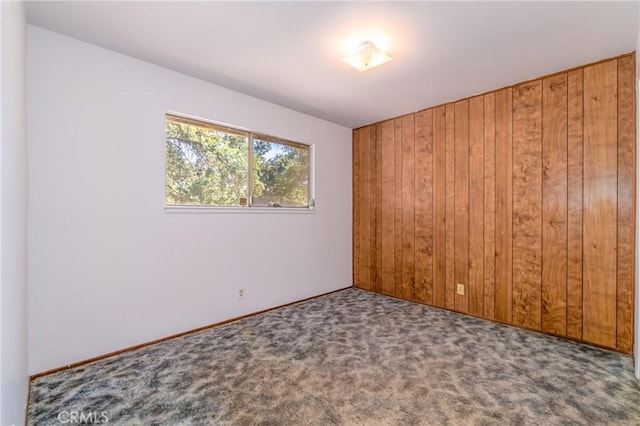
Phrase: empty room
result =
(313, 213)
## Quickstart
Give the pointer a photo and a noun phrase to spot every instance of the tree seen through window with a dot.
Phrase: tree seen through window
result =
(207, 165)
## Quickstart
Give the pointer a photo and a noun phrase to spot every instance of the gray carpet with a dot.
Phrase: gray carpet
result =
(350, 358)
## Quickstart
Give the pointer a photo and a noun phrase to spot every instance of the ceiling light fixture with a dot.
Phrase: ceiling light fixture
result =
(367, 56)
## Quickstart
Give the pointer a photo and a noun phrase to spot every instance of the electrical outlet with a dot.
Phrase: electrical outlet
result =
(241, 293)
(460, 289)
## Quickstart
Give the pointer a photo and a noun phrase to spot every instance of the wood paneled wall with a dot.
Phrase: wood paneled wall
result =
(524, 196)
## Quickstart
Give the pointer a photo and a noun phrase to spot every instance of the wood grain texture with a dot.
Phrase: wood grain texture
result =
(504, 224)
(397, 214)
(600, 203)
(574, 203)
(374, 137)
(424, 206)
(365, 209)
(554, 205)
(408, 207)
(450, 207)
(388, 207)
(489, 205)
(526, 195)
(626, 195)
(373, 190)
(355, 145)
(461, 184)
(398, 206)
(362, 209)
(439, 207)
(527, 204)
(476, 206)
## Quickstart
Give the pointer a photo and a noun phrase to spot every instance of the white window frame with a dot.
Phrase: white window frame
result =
(170, 208)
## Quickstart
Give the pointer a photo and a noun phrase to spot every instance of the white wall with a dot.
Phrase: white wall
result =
(108, 267)
(13, 216)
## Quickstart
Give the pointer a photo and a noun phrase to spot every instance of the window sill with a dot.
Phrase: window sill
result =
(255, 210)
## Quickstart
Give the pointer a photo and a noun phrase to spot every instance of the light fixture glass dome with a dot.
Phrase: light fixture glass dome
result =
(367, 56)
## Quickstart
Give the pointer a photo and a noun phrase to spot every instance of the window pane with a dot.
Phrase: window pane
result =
(205, 165)
(281, 173)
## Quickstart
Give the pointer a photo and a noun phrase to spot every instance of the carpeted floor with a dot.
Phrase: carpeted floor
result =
(350, 358)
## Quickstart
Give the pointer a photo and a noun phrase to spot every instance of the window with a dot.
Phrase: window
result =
(211, 165)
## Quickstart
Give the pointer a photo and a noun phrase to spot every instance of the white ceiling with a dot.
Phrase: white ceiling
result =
(289, 53)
